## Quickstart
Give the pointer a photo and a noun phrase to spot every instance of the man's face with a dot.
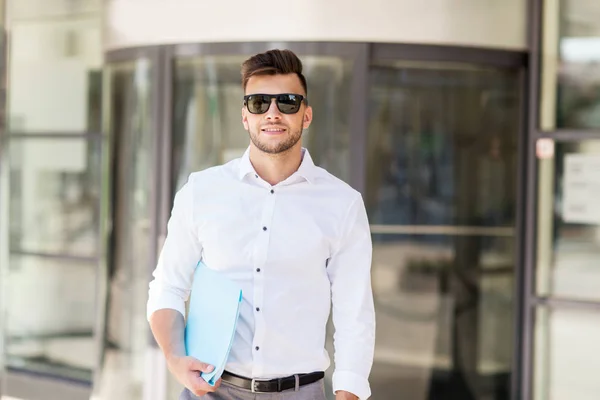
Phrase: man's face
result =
(274, 132)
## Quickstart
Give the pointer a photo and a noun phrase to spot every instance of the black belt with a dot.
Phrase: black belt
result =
(272, 385)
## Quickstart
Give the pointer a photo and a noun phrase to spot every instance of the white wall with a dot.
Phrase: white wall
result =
(39, 9)
(484, 23)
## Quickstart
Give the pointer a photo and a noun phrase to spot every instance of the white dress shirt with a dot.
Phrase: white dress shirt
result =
(295, 248)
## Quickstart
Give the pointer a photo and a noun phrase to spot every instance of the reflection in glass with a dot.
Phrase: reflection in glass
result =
(569, 222)
(441, 193)
(128, 276)
(50, 316)
(438, 138)
(565, 364)
(54, 196)
(571, 81)
(431, 343)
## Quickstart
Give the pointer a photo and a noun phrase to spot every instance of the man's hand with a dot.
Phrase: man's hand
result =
(343, 395)
(168, 328)
(187, 371)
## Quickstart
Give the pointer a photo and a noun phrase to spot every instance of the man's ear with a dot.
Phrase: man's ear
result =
(244, 118)
(308, 115)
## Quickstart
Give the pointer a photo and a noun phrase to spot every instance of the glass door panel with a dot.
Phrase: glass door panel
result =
(441, 197)
(134, 188)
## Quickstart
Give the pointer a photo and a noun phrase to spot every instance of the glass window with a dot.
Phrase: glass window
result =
(54, 196)
(50, 187)
(49, 322)
(441, 197)
(570, 65)
(207, 113)
(569, 222)
(55, 71)
(51, 276)
(566, 365)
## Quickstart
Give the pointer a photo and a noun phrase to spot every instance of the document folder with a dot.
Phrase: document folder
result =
(214, 308)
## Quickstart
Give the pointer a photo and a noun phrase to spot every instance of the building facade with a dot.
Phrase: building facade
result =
(472, 129)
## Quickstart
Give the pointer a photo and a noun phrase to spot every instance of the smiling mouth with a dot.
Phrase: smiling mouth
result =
(273, 130)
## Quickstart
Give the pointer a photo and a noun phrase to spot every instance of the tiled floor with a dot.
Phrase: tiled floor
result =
(27, 387)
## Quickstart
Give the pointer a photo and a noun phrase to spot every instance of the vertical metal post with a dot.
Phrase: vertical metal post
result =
(155, 384)
(156, 105)
(359, 118)
(525, 350)
(520, 259)
(166, 140)
(3, 190)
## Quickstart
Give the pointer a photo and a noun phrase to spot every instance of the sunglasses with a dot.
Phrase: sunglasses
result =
(287, 103)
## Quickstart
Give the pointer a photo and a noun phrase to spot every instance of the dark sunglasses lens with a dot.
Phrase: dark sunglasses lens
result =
(258, 104)
(288, 103)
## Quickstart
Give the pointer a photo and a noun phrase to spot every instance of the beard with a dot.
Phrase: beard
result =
(293, 137)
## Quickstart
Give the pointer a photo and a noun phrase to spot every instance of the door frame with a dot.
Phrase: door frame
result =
(363, 55)
(154, 385)
(531, 301)
(501, 59)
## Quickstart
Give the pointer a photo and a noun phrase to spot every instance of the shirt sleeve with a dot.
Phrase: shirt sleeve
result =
(349, 272)
(178, 258)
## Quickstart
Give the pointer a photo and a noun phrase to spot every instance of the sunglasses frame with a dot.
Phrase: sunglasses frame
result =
(275, 96)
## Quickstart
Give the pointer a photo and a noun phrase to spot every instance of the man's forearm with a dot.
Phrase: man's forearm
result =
(168, 328)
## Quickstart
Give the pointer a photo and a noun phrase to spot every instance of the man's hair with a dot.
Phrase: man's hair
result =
(273, 62)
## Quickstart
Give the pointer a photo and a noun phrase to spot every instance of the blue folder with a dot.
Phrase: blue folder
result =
(214, 309)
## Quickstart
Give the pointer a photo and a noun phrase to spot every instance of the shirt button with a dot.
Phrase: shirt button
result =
(272, 191)
(257, 308)
(264, 228)
(257, 269)
(256, 175)
(257, 348)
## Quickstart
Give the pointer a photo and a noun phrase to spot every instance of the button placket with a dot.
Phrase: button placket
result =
(260, 261)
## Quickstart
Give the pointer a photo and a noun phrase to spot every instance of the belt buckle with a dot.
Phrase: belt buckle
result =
(253, 388)
(253, 385)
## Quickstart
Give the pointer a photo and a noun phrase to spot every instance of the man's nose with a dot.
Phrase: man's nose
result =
(273, 111)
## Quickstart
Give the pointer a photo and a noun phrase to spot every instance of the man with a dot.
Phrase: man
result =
(294, 237)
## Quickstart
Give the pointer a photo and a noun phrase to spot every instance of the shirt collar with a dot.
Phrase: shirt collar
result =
(307, 169)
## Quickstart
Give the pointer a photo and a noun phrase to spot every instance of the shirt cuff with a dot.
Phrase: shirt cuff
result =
(164, 300)
(351, 382)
